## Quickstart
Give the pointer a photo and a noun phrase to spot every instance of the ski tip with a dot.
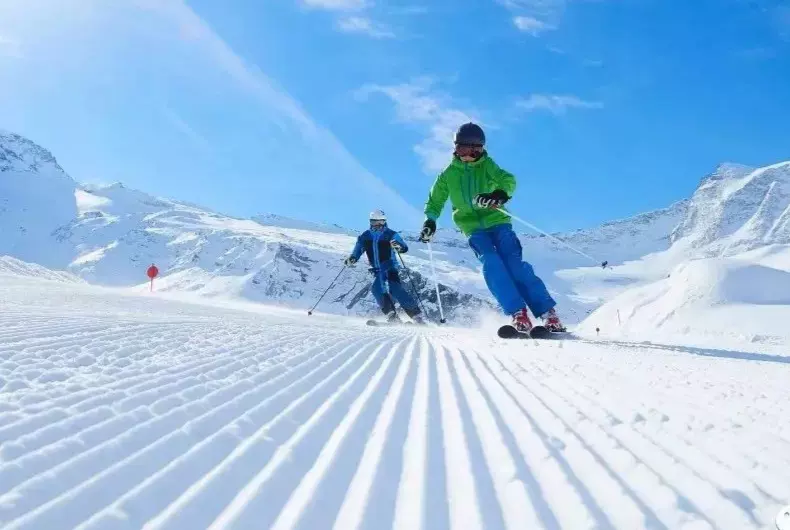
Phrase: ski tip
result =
(507, 332)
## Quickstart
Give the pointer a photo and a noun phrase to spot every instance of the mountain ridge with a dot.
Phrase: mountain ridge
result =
(109, 234)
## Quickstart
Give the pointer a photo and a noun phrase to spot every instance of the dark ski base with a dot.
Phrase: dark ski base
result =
(385, 323)
(538, 332)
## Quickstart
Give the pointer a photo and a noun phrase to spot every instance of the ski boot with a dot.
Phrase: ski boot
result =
(393, 318)
(521, 321)
(552, 322)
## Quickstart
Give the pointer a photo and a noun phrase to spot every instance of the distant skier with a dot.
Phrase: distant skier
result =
(477, 188)
(378, 243)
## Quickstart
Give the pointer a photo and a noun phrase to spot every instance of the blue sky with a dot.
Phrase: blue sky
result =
(326, 109)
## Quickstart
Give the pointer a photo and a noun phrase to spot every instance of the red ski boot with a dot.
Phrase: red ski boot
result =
(552, 322)
(521, 321)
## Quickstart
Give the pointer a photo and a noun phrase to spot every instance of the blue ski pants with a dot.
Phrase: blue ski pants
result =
(510, 279)
(391, 278)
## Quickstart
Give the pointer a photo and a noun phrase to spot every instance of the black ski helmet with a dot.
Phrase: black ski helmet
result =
(470, 134)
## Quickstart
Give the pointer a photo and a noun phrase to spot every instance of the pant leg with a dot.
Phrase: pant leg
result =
(495, 272)
(382, 298)
(529, 285)
(401, 294)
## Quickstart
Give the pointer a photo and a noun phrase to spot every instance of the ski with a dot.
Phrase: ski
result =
(390, 324)
(538, 332)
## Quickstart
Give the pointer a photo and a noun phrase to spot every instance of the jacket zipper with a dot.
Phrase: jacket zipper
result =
(473, 179)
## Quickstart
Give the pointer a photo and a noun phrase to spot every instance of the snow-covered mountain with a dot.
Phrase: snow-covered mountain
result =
(110, 235)
(726, 272)
(36, 198)
(737, 208)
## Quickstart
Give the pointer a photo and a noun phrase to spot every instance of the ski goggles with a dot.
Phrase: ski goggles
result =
(377, 223)
(473, 151)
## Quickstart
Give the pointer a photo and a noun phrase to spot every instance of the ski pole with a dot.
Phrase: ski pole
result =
(603, 264)
(436, 283)
(310, 312)
(411, 281)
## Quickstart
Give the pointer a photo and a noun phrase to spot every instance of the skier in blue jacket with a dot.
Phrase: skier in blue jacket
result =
(380, 243)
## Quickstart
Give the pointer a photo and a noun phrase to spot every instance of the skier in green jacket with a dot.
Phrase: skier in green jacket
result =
(478, 189)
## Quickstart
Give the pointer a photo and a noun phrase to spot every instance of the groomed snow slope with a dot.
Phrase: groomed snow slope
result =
(744, 298)
(132, 411)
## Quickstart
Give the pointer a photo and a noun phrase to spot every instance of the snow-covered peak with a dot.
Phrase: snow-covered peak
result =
(737, 208)
(17, 153)
(36, 199)
(729, 170)
(270, 219)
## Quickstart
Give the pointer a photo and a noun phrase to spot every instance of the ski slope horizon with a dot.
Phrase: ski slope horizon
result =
(132, 410)
(108, 235)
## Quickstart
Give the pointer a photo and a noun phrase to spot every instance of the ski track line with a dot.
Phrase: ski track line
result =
(142, 372)
(223, 431)
(33, 347)
(265, 499)
(120, 456)
(372, 489)
(539, 462)
(320, 492)
(15, 334)
(415, 454)
(57, 352)
(757, 432)
(637, 406)
(122, 395)
(727, 473)
(224, 491)
(696, 497)
(49, 454)
(731, 487)
(679, 394)
(656, 500)
(513, 489)
(584, 468)
(463, 482)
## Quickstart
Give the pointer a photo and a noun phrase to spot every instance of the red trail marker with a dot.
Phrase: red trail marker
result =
(152, 273)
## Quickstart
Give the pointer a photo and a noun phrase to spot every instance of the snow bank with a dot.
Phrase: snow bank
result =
(13, 267)
(704, 297)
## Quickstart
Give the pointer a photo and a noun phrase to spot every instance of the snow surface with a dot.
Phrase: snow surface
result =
(739, 298)
(121, 410)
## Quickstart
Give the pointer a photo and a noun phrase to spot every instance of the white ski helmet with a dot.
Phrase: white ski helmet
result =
(378, 215)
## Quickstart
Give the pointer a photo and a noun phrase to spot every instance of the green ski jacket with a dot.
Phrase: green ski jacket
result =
(461, 182)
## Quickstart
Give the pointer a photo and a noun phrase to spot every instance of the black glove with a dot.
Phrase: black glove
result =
(428, 230)
(495, 199)
(397, 246)
(350, 261)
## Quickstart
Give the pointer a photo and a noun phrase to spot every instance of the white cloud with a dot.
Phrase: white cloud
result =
(365, 26)
(531, 25)
(536, 16)
(356, 23)
(556, 104)
(416, 102)
(336, 5)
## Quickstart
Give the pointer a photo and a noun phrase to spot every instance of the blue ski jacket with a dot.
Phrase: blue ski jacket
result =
(377, 244)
